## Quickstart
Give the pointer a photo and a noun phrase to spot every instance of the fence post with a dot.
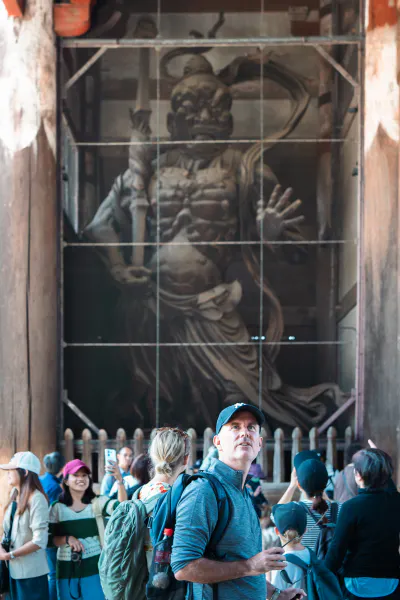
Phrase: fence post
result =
(193, 449)
(348, 437)
(331, 452)
(262, 457)
(87, 448)
(138, 442)
(279, 462)
(207, 441)
(102, 446)
(121, 438)
(296, 442)
(69, 445)
(313, 436)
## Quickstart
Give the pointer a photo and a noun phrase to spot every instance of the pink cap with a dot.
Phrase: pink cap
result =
(73, 466)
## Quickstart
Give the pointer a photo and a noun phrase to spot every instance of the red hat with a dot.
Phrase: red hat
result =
(73, 466)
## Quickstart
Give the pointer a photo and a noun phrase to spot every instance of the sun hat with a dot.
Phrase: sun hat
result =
(256, 471)
(226, 415)
(73, 466)
(312, 476)
(23, 460)
(289, 516)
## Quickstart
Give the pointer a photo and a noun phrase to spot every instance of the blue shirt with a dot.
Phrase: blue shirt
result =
(51, 486)
(196, 518)
(108, 482)
(370, 587)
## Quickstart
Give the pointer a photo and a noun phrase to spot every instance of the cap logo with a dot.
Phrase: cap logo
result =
(239, 404)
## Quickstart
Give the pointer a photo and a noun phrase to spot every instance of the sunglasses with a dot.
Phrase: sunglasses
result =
(181, 433)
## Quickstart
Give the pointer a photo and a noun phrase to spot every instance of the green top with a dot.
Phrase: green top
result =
(83, 526)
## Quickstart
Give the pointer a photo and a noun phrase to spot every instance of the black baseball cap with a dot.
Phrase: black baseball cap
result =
(226, 415)
(289, 516)
(312, 476)
(305, 455)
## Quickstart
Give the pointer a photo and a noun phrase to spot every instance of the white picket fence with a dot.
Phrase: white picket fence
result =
(275, 458)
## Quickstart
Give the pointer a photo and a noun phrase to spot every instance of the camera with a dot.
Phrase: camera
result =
(76, 556)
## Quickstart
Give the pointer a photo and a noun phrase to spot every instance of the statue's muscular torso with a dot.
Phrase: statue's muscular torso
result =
(197, 203)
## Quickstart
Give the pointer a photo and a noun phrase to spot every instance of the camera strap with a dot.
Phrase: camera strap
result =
(73, 566)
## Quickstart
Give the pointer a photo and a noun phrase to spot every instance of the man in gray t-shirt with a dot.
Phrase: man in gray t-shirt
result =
(241, 565)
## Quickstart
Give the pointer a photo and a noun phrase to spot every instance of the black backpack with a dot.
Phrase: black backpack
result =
(327, 530)
(164, 517)
(320, 583)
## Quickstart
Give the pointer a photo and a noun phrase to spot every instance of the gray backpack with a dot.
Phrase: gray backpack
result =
(123, 566)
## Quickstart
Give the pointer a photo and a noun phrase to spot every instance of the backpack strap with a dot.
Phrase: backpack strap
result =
(98, 513)
(224, 509)
(286, 577)
(309, 512)
(295, 560)
(334, 512)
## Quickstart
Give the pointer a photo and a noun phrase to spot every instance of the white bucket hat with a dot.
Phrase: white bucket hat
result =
(23, 460)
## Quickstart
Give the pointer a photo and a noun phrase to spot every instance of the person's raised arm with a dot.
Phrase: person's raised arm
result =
(288, 495)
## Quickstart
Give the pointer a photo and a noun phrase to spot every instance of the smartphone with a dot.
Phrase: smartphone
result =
(110, 455)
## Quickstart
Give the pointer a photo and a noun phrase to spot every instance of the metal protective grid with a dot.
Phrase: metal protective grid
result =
(261, 43)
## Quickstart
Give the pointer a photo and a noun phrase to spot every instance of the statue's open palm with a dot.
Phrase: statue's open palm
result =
(277, 217)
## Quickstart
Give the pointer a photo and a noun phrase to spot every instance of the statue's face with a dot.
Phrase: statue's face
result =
(201, 107)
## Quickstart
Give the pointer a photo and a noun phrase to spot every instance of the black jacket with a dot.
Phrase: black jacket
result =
(366, 540)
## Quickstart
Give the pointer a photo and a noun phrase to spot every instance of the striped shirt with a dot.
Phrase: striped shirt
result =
(310, 537)
(83, 526)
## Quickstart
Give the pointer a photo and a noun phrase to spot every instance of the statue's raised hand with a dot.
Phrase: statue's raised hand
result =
(277, 217)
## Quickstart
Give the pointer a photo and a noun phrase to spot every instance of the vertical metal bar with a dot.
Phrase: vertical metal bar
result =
(157, 54)
(360, 343)
(261, 296)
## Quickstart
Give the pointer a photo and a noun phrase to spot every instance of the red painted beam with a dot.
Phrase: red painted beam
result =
(381, 13)
(15, 8)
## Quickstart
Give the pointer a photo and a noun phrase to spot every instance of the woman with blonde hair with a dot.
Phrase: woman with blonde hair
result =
(26, 523)
(169, 454)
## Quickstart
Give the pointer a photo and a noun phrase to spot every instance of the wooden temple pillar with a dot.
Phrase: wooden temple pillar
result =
(379, 336)
(29, 367)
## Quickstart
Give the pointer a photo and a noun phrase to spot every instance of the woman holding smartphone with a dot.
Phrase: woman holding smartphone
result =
(77, 528)
(26, 523)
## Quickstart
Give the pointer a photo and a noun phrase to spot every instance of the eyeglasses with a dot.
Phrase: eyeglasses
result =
(180, 432)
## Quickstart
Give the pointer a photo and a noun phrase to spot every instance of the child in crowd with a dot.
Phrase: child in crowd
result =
(290, 524)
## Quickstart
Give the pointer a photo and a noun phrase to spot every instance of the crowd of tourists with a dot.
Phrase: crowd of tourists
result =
(155, 531)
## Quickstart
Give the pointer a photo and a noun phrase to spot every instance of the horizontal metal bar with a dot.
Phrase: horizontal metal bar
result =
(194, 244)
(196, 344)
(229, 142)
(158, 43)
